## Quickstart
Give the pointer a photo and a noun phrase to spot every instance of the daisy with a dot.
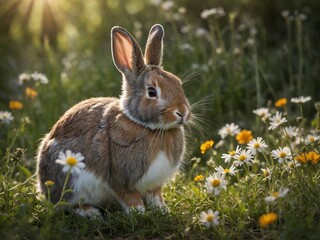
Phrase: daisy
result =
(301, 100)
(200, 32)
(209, 218)
(285, 13)
(292, 164)
(39, 77)
(230, 155)
(6, 117)
(216, 182)
(275, 195)
(276, 120)
(186, 47)
(211, 163)
(298, 141)
(156, 2)
(263, 113)
(267, 219)
(281, 154)
(244, 156)
(71, 162)
(229, 130)
(23, 77)
(167, 5)
(311, 138)
(290, 131)
(230, 171)
(257, 145)
(244, 136)
(266, 173)
(217, 12)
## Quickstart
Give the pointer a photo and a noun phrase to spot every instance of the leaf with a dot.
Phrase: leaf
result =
(25, 171)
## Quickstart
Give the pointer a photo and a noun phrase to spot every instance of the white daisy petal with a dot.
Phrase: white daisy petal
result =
(71, 162)
(62, 155)
(65, 168)
(300, 100)
(68, 153)
(81, 165)
(60, 161)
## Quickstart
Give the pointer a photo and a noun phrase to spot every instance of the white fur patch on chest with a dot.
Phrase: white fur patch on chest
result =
(159, 172)
(89, 188)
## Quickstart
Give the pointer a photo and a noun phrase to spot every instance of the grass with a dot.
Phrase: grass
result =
(229, 70)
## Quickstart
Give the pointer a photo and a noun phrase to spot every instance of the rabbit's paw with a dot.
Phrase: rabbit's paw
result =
(88, 211)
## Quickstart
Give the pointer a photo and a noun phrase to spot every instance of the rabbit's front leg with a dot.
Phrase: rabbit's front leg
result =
(88, 211)
(155, 199)
(131, 201)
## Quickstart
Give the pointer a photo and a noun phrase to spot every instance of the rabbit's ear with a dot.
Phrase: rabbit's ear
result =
(126, 53)
(154, 47)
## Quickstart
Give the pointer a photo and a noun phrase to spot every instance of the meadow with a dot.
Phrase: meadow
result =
(250, 71)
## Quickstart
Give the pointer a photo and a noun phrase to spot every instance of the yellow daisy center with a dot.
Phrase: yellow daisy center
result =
(215, 182)
(282, 154)
(71, 161)
(232, 153)
(266, 173)
(242, 157)
(311, 139)
(256, 145)
(226, 170)
(210, 218)
(275, 194)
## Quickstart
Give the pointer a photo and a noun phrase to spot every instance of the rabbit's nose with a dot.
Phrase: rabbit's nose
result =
(182, 116)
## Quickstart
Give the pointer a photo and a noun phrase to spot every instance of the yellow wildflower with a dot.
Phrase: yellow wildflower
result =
(267, 219)
(244, 136)
(282, 102)
(30, 92)
(205, 146)
(15, 105)
(49, 183)
(311, 156)
(301, 158)
(198, 178)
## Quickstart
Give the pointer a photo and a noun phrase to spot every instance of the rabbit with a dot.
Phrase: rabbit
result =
(132, 145)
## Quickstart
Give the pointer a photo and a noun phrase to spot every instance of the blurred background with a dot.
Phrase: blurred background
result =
(234, 56)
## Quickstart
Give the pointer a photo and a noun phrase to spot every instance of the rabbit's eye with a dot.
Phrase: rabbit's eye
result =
(152, 92)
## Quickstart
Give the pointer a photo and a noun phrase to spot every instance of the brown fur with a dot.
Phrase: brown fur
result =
(120, 138)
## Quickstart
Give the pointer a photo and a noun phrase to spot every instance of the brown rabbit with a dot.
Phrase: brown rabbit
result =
(131, 145)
